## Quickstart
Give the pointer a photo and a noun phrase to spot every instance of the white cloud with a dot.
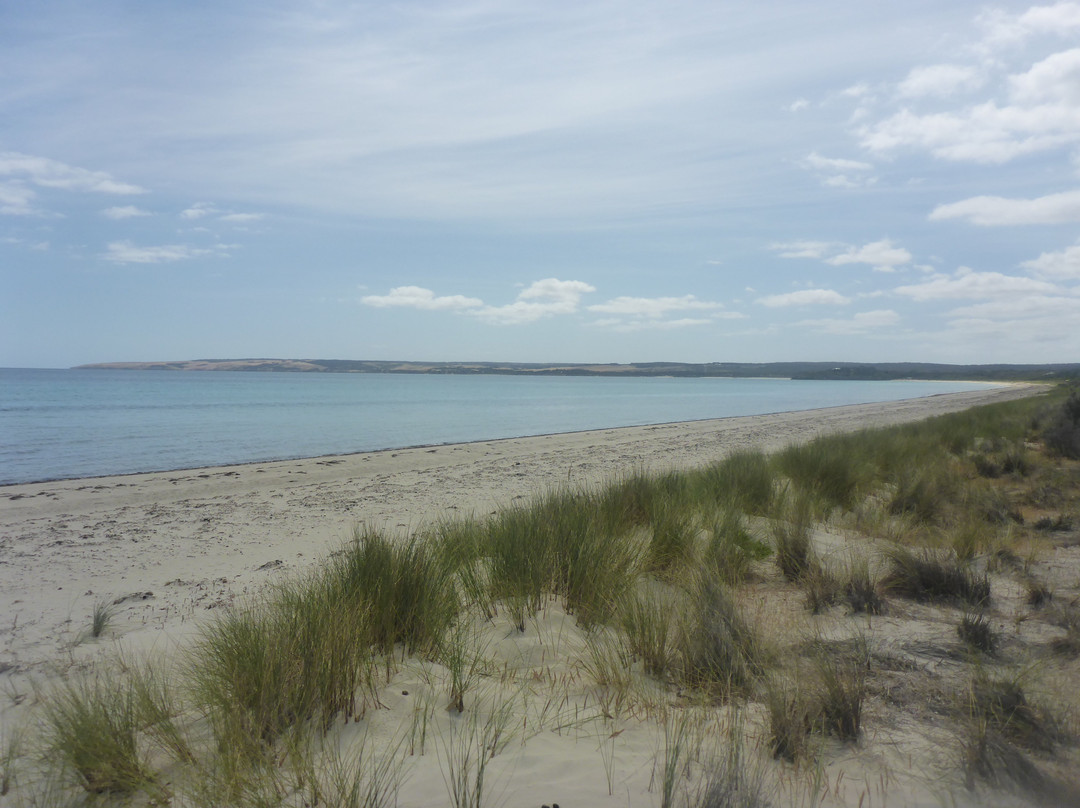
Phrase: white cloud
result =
(881, 255)
(16, 199)
(1041, 113)
(627, 326)
(860, 90)
(416, 297)
(939, 80)
(827, 166)
(861, 323)
(984, 133)
(844, 181)
(48, 173)
(820, 163)
(1055, 79)
(648, 313)
(241, 218)
(1026, 322)
(1064, 264)
(803, 249)
(997, 210)
(124, 212)
(543, 298)
(124, 252)
(805, 297)
(967, 283)
(199, 210)
(798, 105)
(1002, 28)
(1041, 307)
(653, 307)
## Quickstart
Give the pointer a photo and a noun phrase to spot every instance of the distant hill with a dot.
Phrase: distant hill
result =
(787, 370)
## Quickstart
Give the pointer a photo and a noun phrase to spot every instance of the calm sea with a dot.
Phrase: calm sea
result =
(58, 424)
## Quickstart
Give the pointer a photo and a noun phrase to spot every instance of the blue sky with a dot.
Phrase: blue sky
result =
(698, 180)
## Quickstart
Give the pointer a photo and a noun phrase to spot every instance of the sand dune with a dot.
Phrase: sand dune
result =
(170, 548)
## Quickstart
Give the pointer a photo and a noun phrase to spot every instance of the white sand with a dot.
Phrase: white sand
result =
(177, 544)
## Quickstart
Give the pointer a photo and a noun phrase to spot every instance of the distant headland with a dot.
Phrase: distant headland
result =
(788, 370)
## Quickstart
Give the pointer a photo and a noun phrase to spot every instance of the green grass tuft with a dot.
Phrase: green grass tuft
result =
(92, 726)
(793, 552)
(718, 651)
(975, 631)
(929, 576)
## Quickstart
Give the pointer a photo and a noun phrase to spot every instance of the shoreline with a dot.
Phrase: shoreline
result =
(334, 455)
(171, 545)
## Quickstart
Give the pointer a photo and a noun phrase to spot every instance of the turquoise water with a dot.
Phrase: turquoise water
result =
(58, 424)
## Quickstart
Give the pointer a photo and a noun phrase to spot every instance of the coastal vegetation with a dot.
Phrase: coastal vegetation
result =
(836, 371)
(896, 601)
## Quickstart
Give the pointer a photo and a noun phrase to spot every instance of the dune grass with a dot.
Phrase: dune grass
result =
(654, 569)
(718, 651)
(793, 550)
(91, 728)
(927, 575)
(101, 617)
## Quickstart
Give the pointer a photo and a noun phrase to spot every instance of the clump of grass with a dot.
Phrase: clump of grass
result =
(1062, 432)
(647, 617)
(406, 591)
(560, 545)
(679, 729)
(101, 617)
(825, 469)
(730, 549)
(461, 651)
(1059, 524)
(998, 721)
(971, 537)
(1003, 701)
(1036, 593)
(593, 568)
(929, 576)
(300, 652)
(361, 779)
(473, 740)
(717, 649)
(459, 548)
(1002, 457)
(11, 750)
(860, 590)
(789, 721)
(629, 502)
(607, 664)
(92, 726)
(1068, 618)
(793, 551)
(673, 542)
(731, 780)
(521, 565)
(822, 588)
(921, 494)
(744, 480)
(157, 708)
(976, 632)
(842, 690)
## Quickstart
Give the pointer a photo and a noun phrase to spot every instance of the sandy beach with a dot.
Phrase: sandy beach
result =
(170, 548)
(176, 543)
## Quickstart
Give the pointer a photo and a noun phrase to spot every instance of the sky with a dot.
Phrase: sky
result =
(539, 181)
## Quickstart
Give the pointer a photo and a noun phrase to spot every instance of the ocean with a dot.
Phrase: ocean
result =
(60, 424)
